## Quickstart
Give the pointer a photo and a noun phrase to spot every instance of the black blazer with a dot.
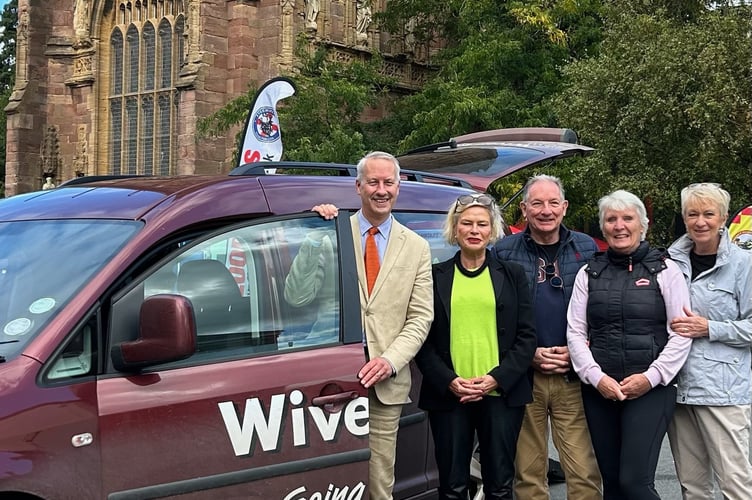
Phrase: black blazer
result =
(515, 330)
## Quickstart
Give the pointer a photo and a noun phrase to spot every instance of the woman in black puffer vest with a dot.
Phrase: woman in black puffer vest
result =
(623, 350)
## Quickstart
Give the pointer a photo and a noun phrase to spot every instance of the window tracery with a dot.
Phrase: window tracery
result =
(146, 46)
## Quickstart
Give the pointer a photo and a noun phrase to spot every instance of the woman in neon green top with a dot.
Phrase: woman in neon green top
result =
(476, 359)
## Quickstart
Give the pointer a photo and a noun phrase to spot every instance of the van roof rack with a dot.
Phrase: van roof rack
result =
(93, 178)
(303, 168)
(341, 169)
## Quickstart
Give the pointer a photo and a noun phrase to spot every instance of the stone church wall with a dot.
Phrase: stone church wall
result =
(57, 115)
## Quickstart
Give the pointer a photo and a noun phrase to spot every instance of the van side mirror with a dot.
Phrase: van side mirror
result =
(167, 332)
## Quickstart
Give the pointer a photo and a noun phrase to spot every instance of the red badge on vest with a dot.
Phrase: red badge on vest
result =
(642, 282)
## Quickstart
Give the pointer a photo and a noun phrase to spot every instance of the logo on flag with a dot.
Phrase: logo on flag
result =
(262, 138)
(263, 125)
(740, 229)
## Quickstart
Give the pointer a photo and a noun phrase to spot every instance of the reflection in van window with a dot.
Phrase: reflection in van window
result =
(34, 285)
(311, 286)
(431, 227)
(259, 288)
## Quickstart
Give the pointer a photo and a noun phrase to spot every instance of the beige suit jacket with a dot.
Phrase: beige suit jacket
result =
(398, 314)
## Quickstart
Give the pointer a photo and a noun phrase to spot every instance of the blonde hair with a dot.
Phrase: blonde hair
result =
(696, 194)
(453, 215)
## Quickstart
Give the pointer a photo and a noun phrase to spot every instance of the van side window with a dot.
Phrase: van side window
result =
(431, 227)
(311, 285)
(79, 356)
(261, 288)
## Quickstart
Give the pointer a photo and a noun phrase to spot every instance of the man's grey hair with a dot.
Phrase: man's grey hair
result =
(538, 178)
(381, 155)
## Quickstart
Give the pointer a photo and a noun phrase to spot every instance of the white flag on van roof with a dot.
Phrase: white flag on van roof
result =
(262, 140)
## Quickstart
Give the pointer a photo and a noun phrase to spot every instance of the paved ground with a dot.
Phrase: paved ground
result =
(665, 479)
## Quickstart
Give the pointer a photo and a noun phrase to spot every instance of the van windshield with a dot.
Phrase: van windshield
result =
(43, 263)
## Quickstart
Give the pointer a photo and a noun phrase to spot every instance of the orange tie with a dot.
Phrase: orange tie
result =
(372, 259)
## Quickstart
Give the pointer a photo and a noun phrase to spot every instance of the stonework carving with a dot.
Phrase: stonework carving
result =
(288, 6)
(191, 63)
(407, 74)
(82, 66)
(363, 18)
(287, 34)
(81, 159)
(22, 48)
(340, 56)
(193, 23)
(82, 23)
(397, 71)
(312, 8)
(49, 154)
(420, 77)
(410, 36)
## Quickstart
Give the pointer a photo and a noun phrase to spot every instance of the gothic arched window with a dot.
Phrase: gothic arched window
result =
(146, 51)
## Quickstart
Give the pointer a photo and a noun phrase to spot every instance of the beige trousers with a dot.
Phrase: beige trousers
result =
(383, 423)
(709, 441)
(560, 402)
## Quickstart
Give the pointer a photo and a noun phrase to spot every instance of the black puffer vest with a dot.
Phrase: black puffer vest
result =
(626, 313)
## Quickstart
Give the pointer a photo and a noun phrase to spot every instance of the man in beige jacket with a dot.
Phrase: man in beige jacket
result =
(397, 313)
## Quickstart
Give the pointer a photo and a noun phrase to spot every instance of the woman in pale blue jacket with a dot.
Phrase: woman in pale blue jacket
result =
(710, 430)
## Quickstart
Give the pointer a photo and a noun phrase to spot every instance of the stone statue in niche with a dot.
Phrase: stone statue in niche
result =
(81, 159)
(363, 18)
(287, 6)
(48, 184)
(81, 23)
(410, 36)
(22, 46)
(312, 8)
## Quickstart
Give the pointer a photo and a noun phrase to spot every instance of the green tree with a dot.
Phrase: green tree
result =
(8, 21)
(322, 121)
(666, 103)
(498, 63)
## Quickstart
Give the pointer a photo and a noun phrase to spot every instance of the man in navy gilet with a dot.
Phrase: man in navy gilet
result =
(551, 255)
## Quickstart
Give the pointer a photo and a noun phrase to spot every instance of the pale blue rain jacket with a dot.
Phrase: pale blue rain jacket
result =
(718, 371)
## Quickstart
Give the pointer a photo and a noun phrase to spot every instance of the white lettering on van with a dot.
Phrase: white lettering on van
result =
(267, 427)
(331, 493)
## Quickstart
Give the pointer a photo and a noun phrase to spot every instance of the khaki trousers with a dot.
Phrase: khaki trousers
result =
(383, 423)
(712, 440)
(560, 402)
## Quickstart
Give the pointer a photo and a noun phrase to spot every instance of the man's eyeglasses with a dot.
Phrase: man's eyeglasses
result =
(467, 200)
(552, 277)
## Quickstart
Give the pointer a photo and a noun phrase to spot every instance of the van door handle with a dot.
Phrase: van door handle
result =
(333, 399)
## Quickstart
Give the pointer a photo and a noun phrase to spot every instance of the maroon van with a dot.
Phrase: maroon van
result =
(147, 349)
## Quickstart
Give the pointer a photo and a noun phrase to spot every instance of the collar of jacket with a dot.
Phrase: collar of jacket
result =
(565, 235)
(680, 249)
(448, 265)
